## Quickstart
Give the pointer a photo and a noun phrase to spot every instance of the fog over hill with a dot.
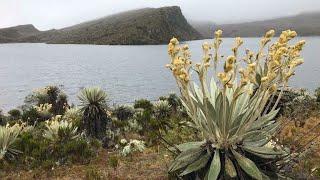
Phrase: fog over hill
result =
(306, 24)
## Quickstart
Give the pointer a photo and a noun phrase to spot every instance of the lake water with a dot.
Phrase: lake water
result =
(125, 72)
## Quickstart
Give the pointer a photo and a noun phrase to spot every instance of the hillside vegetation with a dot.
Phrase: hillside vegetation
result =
(306, 24)
(142, 26)
(8, 35)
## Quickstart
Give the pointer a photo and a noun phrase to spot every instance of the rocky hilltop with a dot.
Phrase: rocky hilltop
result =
(306, 24)
(142, 26)
(12, 34)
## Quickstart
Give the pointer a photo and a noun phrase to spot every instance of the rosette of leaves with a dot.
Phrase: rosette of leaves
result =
(58, 130)
(124, 112)
(93, 107)
(8, 135)
(234, 114)
(73, 115)
(162, 109)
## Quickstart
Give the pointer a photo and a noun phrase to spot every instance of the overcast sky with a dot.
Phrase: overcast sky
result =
(48, 14)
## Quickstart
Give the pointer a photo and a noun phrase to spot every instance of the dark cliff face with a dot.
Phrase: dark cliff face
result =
(143, 26)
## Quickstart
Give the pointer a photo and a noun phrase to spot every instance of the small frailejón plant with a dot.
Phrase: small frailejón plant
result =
(93, 107)
(58, 130)
(8, 135)
(233, 111)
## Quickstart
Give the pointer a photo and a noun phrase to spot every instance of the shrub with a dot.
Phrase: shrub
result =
(118, 124)
(48, 95)
(3, 119)
(124, 112)
(143, 104)
(44, 111)
(317, 94)
(95, 143)
(162, 109)
(34, 148)
(94, 115)
(15, 114)
(112, 136)
(76, 150)
(38, 151)
(174, 102)
(134, 126)
(299, 106)
(61, 104)
(29, 141)
(144, 118)
(30, 115)
(230, 115)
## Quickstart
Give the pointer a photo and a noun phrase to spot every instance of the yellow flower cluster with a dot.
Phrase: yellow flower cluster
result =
(173, 46)
(267, 37)
(279, 65)
(217, 42)
(238, 43)
(226, 76)
(248, 74)
(206, 57)
(248, 57)
(180, 60)
(280, 61)
(284, 58)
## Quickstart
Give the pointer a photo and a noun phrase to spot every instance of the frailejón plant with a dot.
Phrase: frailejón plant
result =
(93, 107)
(233, 111)
(58, 130)
(8, 135)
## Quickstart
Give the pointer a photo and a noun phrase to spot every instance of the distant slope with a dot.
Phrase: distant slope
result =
(11, 34)
(205, 28)
(143, 26)
(306, 24)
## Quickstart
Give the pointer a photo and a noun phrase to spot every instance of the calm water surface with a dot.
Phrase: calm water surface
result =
(125, 72)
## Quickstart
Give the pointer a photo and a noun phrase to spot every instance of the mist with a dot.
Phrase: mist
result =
(61, 13)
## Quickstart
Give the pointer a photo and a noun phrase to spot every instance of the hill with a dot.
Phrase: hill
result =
(11, 34)
(306, 24)
(142, 26)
